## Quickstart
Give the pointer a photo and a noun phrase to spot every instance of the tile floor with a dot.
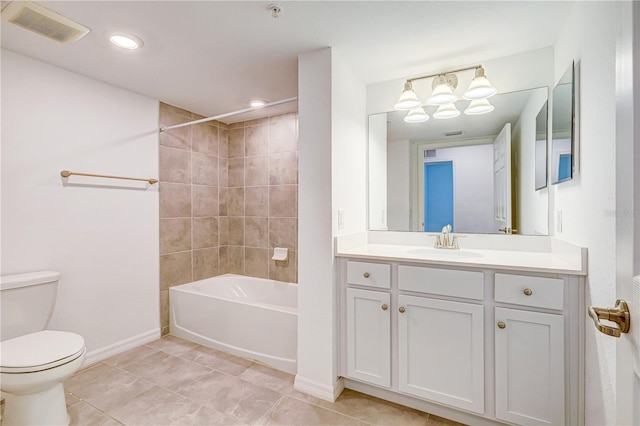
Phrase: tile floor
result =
(175, 382)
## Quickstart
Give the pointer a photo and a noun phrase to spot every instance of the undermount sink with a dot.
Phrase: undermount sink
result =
(443, 253)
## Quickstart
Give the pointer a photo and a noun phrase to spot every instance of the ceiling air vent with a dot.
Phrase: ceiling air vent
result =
(43, 21)
(455, 133)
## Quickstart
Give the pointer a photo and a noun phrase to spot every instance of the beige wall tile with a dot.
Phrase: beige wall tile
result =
(283, 232)
(235, 259)
(205, 232)
(283, 201)
(236, 125)
(256, 262)
(284, 270)
(256, 140)
(175, 235)
(223, 201)
(176, 138)
(175, 165)
(256, 122)
(164, 308)
(223, 259)
(236, 172)
(256, 171)
(256, 232)
(283, 134)
(175, 269)
(236, 143)
(223, 142)
(175, 200)
(223, 171)
(205, 169)
(236, 231)
(167, 108)
(223, 230)
(205, 263)
(283, 168)
(235, 202)
(257, 201)
(205, 139)
(205, 201)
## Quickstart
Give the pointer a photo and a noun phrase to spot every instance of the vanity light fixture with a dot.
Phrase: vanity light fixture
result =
(126, 41)
(444, 84)
(416, 115)
(257, 103)
(479, 106)
(446, 111)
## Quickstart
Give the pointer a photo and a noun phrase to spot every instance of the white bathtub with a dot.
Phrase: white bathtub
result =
(249, 317)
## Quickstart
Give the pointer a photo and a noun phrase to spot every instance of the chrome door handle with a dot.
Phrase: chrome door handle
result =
(619, 314)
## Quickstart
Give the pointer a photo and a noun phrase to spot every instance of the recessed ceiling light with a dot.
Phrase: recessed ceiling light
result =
(256, 103)
(126, 41)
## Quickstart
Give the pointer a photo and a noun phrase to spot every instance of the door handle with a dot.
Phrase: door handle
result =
(508, 231)
(619, 314)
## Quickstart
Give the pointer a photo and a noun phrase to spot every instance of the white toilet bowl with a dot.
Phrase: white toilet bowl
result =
(32, 369)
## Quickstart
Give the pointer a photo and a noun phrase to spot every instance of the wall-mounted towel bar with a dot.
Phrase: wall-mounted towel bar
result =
(67, 173)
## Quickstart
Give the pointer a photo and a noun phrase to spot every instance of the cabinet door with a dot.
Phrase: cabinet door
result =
(441, 351)
(369, 336)
(529, 367)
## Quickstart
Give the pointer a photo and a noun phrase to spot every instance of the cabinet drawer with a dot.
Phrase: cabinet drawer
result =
(446, 282)
(530, 291)
(369, 274)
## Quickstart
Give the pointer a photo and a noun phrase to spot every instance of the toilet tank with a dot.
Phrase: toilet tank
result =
(26, 302)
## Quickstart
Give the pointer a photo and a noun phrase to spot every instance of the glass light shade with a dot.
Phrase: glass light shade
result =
(446, 111)
(480, 87)
(126, 41)
(416, 115)
(408, 100)
(442, 94)
(479, 106)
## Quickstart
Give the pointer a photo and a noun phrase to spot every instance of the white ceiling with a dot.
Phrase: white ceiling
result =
(211, 57)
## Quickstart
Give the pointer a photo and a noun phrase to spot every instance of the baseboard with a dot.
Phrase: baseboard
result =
(319, 390)
(121, 346)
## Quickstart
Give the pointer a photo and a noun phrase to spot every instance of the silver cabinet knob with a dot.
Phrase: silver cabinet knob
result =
(385, 307)
(366, 275)
(401, 309)
(528, 292)
(501, 325)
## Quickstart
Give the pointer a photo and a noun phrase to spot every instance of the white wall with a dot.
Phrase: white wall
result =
(398, 184)
(101, 238)
(377, 187)
(532, 206)
(587, 202)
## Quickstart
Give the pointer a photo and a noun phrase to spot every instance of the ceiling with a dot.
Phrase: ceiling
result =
(211, 57)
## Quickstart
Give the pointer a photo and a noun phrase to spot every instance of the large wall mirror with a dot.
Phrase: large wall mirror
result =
(562, 125)
(474, 172)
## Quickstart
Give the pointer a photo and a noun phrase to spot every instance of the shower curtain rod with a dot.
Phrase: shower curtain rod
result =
(228, 114)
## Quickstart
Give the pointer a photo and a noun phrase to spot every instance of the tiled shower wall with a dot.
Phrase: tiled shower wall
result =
(228, 195)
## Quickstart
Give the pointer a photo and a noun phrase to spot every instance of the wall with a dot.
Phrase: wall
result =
(523, 145)
(378, 193)
(587, 202)
(193, 166)
(100, 234)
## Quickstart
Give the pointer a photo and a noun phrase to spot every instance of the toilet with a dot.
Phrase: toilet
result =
(34, 362)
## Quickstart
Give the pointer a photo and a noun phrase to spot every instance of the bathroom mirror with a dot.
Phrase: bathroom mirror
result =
(541, 148)
(562, 133)
(446, 168)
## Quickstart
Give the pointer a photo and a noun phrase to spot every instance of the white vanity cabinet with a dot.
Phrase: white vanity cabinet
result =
(480, 346)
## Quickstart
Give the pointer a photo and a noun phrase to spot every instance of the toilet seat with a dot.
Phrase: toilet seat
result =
(39, 351)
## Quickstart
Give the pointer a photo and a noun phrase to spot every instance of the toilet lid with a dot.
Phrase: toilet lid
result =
(39, 351)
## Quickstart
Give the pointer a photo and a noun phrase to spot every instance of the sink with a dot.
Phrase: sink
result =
(443, 253)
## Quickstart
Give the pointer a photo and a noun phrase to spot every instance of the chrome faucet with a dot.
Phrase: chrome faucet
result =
(446, 240)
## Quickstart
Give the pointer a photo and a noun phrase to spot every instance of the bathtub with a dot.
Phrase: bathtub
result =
(249, 317)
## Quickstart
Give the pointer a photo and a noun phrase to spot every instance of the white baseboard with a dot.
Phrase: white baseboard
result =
(319, 390)
(121, 346)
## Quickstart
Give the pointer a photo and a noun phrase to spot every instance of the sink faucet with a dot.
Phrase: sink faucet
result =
(446, 241)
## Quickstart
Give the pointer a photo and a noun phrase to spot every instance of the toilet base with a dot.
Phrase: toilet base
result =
(47, 407)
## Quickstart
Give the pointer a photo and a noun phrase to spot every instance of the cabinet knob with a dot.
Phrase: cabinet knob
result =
(366, 275)
(501, 325)
(528, 292)
(401, 309)
(385, 307)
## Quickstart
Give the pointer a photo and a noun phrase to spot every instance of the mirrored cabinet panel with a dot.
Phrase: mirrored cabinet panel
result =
(562, 134)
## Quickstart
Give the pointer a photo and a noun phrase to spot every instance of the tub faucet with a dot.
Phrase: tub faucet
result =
(446, 240)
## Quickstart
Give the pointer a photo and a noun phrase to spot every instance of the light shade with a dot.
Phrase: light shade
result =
(442, 92)
(126, 41)
(479, 106)
(408, 100)
(480, 88)
(416, 115)
(446, 111)
(256, 103)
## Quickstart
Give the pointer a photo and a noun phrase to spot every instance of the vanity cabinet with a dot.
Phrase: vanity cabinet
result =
(478, 346)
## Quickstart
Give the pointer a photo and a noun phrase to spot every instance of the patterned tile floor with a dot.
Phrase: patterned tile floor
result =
(175, 382)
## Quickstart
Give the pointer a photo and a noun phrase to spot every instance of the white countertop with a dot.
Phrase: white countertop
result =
(531, 261)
